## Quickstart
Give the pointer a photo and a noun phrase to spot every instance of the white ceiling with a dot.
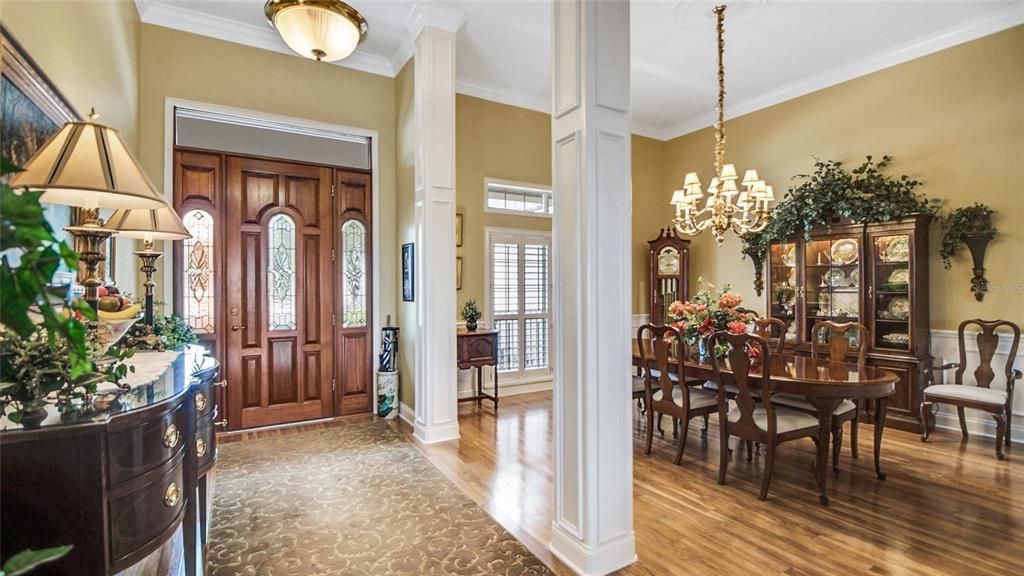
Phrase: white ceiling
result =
(775, 50)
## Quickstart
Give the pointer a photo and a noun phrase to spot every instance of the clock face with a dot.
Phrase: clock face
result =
(668, 261)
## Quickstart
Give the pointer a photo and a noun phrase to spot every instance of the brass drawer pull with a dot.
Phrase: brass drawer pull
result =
(172, 436)
(200, 401)
(171, 495)
(200, 447)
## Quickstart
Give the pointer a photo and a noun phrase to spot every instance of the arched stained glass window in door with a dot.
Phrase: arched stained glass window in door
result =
(353, 274)
(198, 301)
(281, 272)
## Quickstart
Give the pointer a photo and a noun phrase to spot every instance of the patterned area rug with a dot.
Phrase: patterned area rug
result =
(351, 500)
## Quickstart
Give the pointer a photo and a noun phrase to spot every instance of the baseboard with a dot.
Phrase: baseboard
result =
(436, 434)
(408, 415)
(513, 389)
(947, 420)
(589, 561)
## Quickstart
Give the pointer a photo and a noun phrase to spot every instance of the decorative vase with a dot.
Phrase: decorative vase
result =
(33, 418)
(702, 348)
(387, 394)
(470, 325)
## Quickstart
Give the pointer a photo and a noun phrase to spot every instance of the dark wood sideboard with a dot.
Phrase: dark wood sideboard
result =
(475, 350)
(117, 483)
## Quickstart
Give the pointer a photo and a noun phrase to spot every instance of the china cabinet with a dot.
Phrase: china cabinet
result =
(669, 272)
(875, 274)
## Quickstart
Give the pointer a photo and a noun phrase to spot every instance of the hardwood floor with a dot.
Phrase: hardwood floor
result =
(947, 507)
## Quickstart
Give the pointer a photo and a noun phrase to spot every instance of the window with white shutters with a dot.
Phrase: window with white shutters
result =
(519, 284)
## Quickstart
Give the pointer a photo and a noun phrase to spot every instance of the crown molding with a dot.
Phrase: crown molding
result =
(985, 25)
(180, 18)
(503, 96)
(649, 130)
(435, 15)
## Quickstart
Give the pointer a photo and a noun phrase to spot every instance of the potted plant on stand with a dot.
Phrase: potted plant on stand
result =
(971, 225)
(471, 314)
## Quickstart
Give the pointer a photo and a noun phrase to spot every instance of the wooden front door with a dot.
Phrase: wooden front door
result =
(353, 265)
(278, 292)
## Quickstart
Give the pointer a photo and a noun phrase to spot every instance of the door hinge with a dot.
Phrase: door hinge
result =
(334, 385)
(332, 254)
(333, 320)
(332, 190)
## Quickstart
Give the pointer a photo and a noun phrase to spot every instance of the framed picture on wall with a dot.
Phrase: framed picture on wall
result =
(458, 273)
(33, 110)
(458, 230)
(408, 273)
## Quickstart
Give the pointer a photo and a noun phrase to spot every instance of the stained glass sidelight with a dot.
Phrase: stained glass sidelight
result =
(353, 273)
(281, 272)
(198, 270)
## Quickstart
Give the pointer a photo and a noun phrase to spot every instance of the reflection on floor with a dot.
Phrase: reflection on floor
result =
(946, 507)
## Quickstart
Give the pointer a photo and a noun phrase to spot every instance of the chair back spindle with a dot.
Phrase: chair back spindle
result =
(988, 341)
(838, 342)
(767, 327)
(656, 344)
(745, 382)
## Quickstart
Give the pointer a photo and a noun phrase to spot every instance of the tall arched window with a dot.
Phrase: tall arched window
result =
(198, 272)
(281, 272)
(353, 273)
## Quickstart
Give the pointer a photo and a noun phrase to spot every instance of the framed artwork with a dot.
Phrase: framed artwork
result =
(458, 230)
(408, 272)
(458, 272)
(33, 110)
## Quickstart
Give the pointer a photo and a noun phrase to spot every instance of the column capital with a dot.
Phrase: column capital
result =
(435, 15)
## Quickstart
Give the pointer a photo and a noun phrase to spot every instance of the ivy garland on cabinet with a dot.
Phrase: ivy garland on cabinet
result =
(864, 194)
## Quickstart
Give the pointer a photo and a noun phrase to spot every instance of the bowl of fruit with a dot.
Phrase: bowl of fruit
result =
(116, 315)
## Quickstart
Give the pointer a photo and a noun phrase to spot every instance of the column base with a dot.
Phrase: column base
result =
(435, 434)
(592, 561)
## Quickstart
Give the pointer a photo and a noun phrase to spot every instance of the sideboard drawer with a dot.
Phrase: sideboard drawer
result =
(135, 451)
(203, 399)
(206, 446)
(139, 516)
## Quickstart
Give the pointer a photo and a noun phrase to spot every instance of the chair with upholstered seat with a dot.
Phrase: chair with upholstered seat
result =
(980, 396)
(767, 328)
(663, 392)
(752, 420)
(839, 346)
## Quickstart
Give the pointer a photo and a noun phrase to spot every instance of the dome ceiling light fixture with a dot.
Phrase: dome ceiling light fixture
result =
(323, 30)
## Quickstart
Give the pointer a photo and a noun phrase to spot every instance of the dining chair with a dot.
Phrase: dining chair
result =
(980, 396)
(663, 393)
(765, 328)
(752, 420)
(839, 347)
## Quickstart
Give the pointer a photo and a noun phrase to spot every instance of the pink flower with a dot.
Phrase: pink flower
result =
(736, 327)
(677, 309)
(753, 352)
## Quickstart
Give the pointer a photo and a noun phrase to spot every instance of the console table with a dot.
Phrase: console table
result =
(118, 481)
(476, 350)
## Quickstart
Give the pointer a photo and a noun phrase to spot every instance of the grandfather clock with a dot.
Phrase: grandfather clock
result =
(669, 263)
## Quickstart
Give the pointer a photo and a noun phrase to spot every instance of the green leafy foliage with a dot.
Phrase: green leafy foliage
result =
(832, 193)
(973, 219)
(27, 560)
(470, 312)
(174, 331)
(34, 255)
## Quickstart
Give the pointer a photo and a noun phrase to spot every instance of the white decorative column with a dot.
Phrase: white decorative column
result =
(593, 527)
(434, 28)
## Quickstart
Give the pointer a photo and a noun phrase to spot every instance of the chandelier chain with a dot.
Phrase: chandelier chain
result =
(720, 125)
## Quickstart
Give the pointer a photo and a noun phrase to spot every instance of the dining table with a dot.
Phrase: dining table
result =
(825, 383)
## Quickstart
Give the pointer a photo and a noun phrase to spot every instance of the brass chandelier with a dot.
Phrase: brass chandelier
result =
(725, 207)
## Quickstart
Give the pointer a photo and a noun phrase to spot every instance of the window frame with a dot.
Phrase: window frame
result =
(522, 375)
(545, 190)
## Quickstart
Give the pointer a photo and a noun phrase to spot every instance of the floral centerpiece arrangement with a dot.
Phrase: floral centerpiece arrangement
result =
(709, 312)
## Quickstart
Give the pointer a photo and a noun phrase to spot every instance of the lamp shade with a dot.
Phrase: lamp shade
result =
(728, 173)
(149, 225)
(87, 165)
(324, 30)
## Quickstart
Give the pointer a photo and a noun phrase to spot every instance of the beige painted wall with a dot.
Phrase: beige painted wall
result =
(953, 119)
(494, 141)
(181, 65)
(405, 231)
(90, 50)
(648, 210)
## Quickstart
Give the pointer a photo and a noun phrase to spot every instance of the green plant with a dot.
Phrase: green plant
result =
(974, 219)
(174, 331)
(831, 193)
(470, 313)
(31, 255)
(28, 560)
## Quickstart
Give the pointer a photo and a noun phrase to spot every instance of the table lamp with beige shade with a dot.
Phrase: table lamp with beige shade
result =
(148, 225)
(87, 165)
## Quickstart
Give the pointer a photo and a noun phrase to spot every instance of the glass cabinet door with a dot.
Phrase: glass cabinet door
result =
(782, 292)
(832, 281)
(890, 295)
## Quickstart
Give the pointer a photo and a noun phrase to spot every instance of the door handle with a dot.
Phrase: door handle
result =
(236, 327)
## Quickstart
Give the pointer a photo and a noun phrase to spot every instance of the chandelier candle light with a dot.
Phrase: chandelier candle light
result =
(726, 207)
